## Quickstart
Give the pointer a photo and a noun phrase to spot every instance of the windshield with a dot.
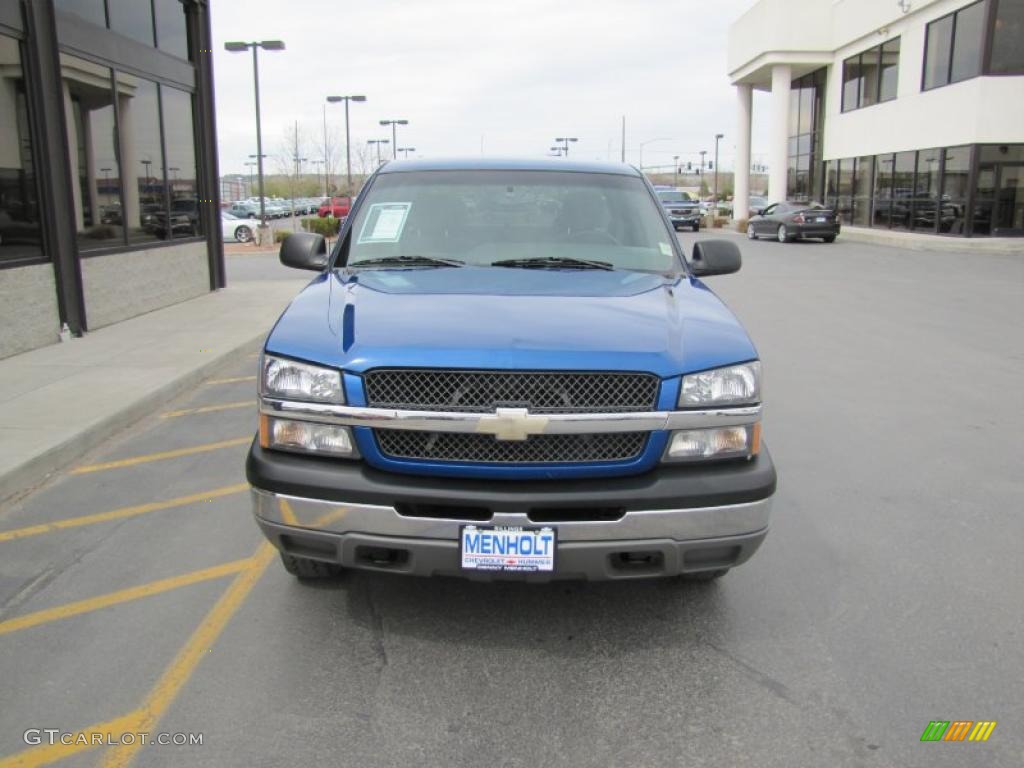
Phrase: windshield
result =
(483, 217)
(671, 196)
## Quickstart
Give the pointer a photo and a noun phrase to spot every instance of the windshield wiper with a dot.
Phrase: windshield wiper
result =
(407, 261)
(553, 262)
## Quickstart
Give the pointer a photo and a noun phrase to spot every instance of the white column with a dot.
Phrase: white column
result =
(741, 170)
(131, 168)
(778, 135)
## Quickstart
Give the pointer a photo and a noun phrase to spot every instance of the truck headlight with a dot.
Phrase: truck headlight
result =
(305, 437)
(715, 443)
(732, 385)
(300, 381)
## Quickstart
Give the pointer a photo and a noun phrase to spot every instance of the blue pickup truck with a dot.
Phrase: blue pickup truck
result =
(508, 369)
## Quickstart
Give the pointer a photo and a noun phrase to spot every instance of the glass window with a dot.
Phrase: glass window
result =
(903, 189)
(968, 42)
(926, 189)
(481, 217)
(144, 194)
(794, 111)
(862, 185)
(955, 183)
(882, 207)
(171, 33)
(1002, 153)
(20, 229)
(844, 190)
(851, 83)
(869, 73)
(936, 52)
(132, 18)
(890, 70)
(179, 137)
(90, 10)
(1008, 38)
(98, 213)
(806, 124)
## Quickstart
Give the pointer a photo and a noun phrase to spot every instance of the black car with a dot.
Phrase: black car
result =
(794, 221)
(682, 211)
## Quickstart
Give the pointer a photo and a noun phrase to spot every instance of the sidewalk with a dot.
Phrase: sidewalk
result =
(60, 401)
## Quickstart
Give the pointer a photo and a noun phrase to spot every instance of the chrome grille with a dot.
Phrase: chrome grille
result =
(483, 391)
(540, 449)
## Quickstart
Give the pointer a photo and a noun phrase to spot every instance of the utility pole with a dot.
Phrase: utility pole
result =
(675, 170)
(623, 138)
(718, 136)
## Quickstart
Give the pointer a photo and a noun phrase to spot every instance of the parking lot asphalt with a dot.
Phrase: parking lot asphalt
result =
(136, 594)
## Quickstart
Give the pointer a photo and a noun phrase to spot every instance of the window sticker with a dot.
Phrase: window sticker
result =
(666, 249)
(384, 223)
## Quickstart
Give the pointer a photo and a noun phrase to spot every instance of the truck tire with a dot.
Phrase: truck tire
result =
(700, 576)
(306, 569)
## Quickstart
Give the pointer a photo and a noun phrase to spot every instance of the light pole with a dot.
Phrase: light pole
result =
(241, 47)
(106, 182)
(718, 136)
(394, 137)
(565, 142)
(406, 150)
(378, 142)
(348, 151)
(643, 144)
(318, 164)
(675, 170)
(250, 167)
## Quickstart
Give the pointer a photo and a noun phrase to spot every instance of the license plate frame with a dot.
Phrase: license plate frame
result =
(504, 561)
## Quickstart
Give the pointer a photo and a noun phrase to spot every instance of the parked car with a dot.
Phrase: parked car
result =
(794, 221)
(756, 204)
(245, 209)
(184, 219)
(336, 207)
(681, 210)
(234, 228)
(512, 372)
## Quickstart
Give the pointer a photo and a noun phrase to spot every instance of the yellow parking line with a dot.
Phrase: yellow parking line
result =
(232, 380)
(123, 512)
(209, 409)
(121, 596)
(80, 741)
(160, 456)
(194, 650)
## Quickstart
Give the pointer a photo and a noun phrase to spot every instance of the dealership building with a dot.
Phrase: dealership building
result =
(901, 114)
(108, 170)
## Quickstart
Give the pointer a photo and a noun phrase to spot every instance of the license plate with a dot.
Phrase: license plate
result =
(510, 549)
(821, 218)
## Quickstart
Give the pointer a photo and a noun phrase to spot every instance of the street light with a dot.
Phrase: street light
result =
(348, 152)
(241, 47)
(318, 164)
(565, 141)
(106, 182)
(378, 142)
(250, 166)
(394, 137)
(675, 170)
(644, 144)
(718, 136)
(407, 150)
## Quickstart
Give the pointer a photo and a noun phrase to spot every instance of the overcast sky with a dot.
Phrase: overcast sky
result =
(505, 76)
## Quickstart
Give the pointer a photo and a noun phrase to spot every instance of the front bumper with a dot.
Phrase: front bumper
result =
(672, 520)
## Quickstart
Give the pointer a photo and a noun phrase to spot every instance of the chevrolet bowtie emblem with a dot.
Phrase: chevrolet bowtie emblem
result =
(511, 424)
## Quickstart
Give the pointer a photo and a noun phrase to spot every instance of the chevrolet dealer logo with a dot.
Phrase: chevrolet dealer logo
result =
(511, 424)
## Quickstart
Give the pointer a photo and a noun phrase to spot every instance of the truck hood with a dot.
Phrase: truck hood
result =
(510, 318)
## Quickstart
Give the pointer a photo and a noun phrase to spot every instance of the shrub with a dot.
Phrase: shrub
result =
(327, 226)
(280, 235)
(741, 225)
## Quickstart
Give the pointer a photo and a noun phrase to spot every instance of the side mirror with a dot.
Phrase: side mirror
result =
(304, 250)
(715, 257)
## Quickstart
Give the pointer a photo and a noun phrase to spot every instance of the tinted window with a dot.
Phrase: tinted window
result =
(179, 136)
(955, 184)
(1008, 38)
(968, 41)
(869, 71)
(171, 32)
(890, 70)
(90, 10)
(20, 230)
(480, 217)
(142, 157)
(863, 178)
(936, 54)
(851, 83)
(98, 210)
(132, 18)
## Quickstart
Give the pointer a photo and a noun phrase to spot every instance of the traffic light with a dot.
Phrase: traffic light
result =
(711, 165)
(689, 166)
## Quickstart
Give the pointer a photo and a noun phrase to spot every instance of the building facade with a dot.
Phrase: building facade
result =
(108, 170)
(901, 114)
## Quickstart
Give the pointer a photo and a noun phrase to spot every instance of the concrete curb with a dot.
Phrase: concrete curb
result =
(39, 468)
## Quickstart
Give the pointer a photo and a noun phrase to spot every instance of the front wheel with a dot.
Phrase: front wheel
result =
(829, 239)
(696, 227)
(782, 234)
(751, 234)
(305, 569)
(243, 235)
